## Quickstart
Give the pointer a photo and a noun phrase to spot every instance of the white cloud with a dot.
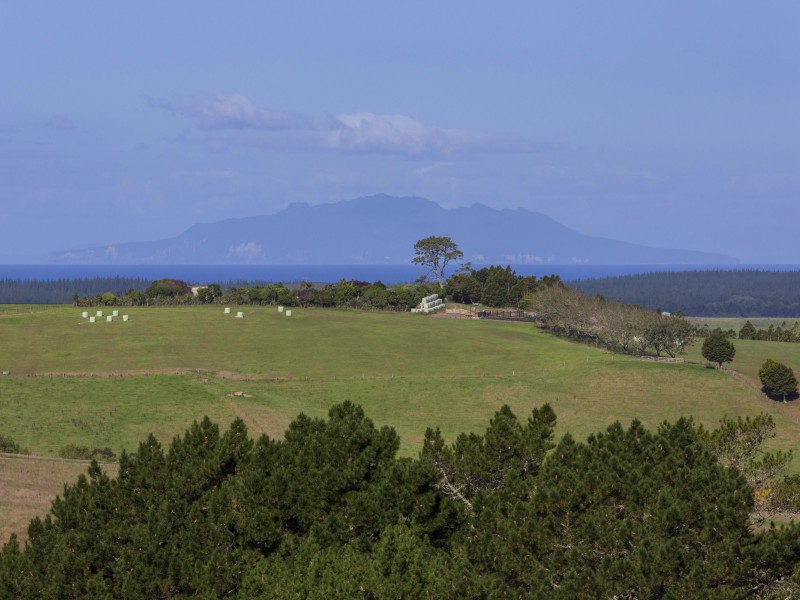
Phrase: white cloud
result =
(246, 252)
(367, 132)
(234, 111)
(231, 111)
(400, 134)
(362, 132)
(527, 259)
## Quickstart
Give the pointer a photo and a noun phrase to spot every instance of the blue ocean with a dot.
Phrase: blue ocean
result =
(389, 274)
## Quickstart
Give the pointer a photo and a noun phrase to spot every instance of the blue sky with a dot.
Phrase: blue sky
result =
(670, 124)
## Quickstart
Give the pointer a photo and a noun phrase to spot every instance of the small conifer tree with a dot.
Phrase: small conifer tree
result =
(718, 348)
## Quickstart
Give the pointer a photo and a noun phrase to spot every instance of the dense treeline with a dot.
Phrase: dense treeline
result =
(363, 295)
(346, 294)
(331, 512)
(494, 286)
(781, 333)
(490, 286)
(62, 291)
(702, 293)
(619, 327)
(738, 293)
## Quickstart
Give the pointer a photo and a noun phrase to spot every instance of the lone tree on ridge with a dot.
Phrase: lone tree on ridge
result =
(718, 348)
(434, 253)
(778, 379)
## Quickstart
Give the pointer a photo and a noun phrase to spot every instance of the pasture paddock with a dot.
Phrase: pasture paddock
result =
(111, 384)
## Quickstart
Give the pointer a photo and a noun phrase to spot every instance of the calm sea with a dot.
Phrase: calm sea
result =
(199, 274)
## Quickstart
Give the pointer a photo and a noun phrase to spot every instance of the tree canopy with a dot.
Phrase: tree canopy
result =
(718, 348)
(331, 511)
(168, 287)
(435, 253)
(494, 285)
(778, 379)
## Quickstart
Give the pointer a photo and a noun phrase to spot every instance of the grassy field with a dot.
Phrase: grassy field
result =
(751, 354)
(110, 384)
(408, 371)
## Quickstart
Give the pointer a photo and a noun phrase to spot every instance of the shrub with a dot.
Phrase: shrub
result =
(169, 288)
(103, 454)
(10, 446)
(79, 452)
(75, 451)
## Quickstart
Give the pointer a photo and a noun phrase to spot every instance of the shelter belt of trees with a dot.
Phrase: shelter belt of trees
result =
(617, 326)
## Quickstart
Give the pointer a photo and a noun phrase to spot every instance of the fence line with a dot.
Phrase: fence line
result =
(250, 376)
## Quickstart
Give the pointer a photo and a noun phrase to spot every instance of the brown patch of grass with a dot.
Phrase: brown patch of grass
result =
(28, 486)
(262, 419)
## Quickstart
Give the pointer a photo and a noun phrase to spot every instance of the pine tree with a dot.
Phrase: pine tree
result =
(329, 511)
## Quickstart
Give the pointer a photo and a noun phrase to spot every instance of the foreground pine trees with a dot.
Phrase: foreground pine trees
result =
(330, 511)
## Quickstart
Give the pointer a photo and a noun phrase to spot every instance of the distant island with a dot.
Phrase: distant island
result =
(382, 229)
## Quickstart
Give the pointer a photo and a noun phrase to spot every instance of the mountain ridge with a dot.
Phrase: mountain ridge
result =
(382, 229)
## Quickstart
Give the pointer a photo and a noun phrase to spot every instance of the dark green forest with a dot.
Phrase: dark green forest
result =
(330, 511)
(736, 293)
(62, 291)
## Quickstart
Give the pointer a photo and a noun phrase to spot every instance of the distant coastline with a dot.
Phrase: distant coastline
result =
(387, 273)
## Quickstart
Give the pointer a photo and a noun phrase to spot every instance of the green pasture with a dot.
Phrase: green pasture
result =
(311, 343)
(751, 354)
(408, 371)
